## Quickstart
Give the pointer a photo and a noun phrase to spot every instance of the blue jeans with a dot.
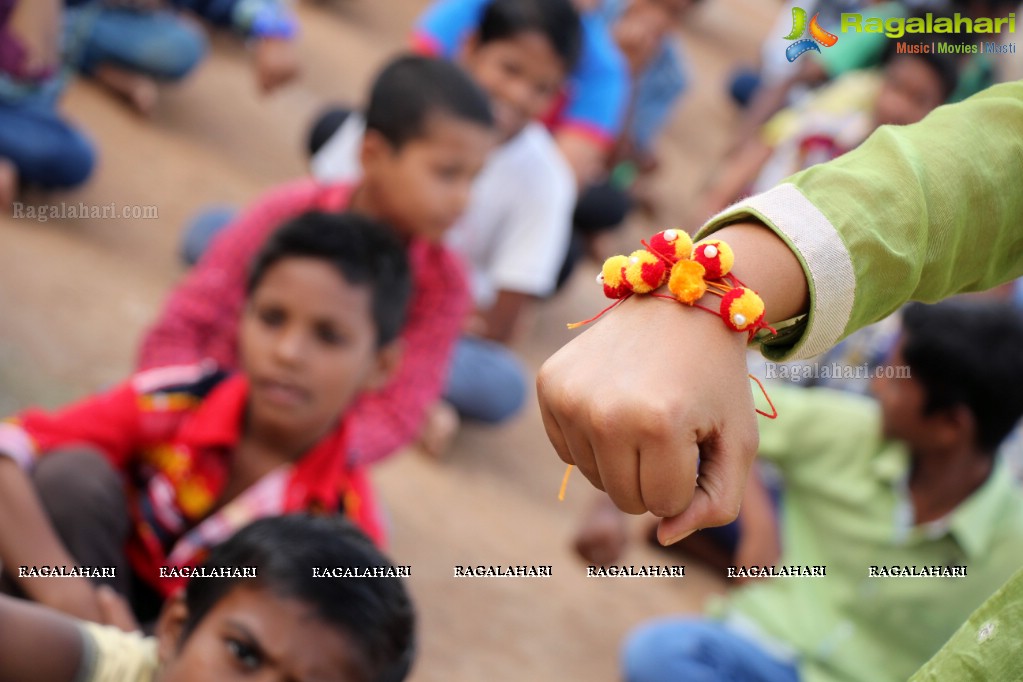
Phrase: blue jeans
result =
(486, 382)
(202, 230)
(46, 150)
(158, 44)
(698, 650)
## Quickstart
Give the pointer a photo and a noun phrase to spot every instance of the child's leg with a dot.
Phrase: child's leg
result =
(202, 230)
(698, 650)
(84, 498)
(324, 127)
(486, 382)
(129, 50)
(600, 209)
(158, 44)
(44, 150)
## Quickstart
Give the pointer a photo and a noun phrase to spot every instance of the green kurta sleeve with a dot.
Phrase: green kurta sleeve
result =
(916, 212)
(987, 647)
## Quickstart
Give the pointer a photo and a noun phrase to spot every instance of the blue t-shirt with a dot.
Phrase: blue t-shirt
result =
(597, 90)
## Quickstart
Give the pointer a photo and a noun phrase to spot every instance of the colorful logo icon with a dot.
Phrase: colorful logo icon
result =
(818, 36)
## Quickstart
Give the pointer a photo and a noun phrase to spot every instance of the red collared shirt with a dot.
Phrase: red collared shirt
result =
(200, 319)
(172, 433)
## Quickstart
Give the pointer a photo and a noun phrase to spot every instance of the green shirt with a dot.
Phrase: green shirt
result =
(847, 507)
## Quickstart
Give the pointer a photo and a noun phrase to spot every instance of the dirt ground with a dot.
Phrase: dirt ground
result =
(75, 295)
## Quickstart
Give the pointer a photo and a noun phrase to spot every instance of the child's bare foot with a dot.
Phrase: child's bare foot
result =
(8, 184)
(603, 535)
(141, 92)
(442, 423)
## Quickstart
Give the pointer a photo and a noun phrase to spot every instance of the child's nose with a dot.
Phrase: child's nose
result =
(290, 345)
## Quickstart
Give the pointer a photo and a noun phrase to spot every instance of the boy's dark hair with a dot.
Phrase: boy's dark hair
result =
(969, 353)
(944, 66)
(411, 89)
(556, 20)
(375, 613)
(363, 251)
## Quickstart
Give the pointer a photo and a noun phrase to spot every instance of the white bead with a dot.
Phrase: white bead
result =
(711, 251)
(739, 319)
(633, 260)
(670, 235)
(600, 278)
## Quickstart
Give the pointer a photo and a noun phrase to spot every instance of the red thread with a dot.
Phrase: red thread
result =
(574, 325)
(774, 410)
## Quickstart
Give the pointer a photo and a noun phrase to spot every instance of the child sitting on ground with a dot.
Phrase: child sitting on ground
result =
(910, 480)
(428, 133)
(520, 52)
(130, 46)
(37, 147)
(834, 120)
(153, 472)
(283, 622)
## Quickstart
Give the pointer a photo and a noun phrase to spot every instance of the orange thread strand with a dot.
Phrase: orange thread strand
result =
(564, 483)
(575, 325)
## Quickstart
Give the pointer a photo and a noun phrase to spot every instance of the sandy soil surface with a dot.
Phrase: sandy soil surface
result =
(75, 295)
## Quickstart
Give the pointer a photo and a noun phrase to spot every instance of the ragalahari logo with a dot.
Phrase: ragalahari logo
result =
(818, 36)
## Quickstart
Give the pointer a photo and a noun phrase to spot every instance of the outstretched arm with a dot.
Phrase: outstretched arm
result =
(917, 212)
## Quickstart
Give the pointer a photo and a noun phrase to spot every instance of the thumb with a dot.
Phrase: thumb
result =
(720, 486)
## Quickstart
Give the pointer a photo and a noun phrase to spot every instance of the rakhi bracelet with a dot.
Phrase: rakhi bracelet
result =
(690, 271)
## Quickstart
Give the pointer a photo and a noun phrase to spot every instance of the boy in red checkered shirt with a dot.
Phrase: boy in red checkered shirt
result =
(142, 479)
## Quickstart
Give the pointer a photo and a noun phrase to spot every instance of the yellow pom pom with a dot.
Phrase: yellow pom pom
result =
(612, 275)
(644, 271)
(686, 281)
(673, 244)
(742, 309)
(716, 256)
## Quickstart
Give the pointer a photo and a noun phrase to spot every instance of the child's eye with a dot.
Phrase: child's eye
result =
(271, 317)
(329, 335)
(248, 656)
(511, 68)
(449, 172)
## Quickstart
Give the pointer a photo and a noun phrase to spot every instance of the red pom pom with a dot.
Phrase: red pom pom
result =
(675, 245)
(715, 256)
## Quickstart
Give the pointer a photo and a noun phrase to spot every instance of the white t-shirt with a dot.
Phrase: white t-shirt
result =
(515, 231)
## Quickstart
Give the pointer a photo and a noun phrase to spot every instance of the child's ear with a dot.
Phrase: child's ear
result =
(386, 363)
(469, 47)
(170, 626)
(375, 148)
(962, 425)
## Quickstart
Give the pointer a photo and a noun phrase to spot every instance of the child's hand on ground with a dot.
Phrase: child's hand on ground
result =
(276, 63)
(115, 609)
(644, 394)
(603, 535)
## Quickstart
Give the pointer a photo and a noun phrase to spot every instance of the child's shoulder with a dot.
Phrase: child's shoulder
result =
(532, 158)
(304, 194)
(194, 380)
